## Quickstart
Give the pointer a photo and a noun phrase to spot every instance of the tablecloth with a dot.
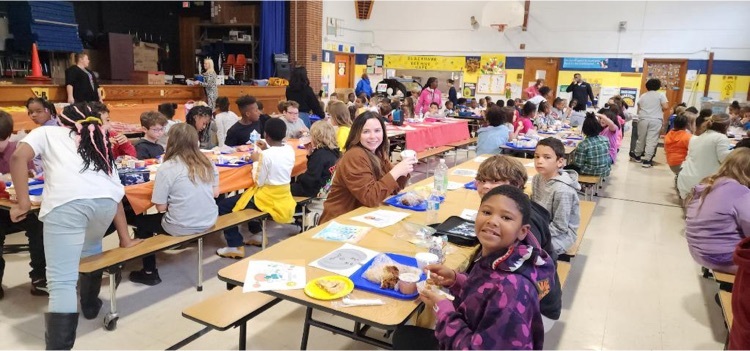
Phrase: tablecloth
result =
(422, 136)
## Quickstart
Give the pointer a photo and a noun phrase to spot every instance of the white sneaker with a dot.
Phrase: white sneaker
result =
(255, 240)
(231, 252)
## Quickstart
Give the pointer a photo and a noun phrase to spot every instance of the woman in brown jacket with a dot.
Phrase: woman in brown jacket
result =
(364, 175)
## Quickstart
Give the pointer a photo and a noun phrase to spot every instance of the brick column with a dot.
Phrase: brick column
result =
(306, 38)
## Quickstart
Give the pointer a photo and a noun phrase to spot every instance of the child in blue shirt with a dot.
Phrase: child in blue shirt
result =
(491, 137)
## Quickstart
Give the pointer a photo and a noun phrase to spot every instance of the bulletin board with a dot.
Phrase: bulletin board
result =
(491, 84)
(374, 64)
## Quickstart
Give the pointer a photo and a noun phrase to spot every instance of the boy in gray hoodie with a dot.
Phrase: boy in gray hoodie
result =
(557, 191)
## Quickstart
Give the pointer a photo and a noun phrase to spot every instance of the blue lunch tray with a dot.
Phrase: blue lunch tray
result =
(361, 283)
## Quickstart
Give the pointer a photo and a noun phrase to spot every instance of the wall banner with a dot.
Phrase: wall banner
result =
(585, 63)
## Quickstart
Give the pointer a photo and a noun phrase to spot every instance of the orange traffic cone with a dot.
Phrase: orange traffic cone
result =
(36, 66)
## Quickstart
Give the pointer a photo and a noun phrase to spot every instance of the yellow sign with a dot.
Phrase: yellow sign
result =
(425, 63)
(41, 92)
(728, 84)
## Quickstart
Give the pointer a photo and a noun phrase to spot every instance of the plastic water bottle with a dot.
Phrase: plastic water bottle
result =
(433, 207)
(254, 137)
(441, 178)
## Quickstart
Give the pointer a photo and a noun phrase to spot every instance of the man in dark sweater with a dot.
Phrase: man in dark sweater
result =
(581, 91)
(250, 121)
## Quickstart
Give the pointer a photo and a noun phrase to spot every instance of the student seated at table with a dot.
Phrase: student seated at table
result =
(42, 112)
(31, 225)
(167, 109)
(184, 192)
(272, 173)
(496, 134)
(543, 118)
(523, 123)
(121, 145)
(434, 111)
(225, 119)
(718, 213)
(449, 110)
(295, 127)
(705, 154)
(407, 109)
(557, 191)
(576, 117)
(153, 124)
(611, 129)
(592, 154)
(202, 120)
(496, 304)
(323, 153)
(503, 170)
(342, 122)
(558, 110)
(251, 119)
(676, 143)
(364, 175)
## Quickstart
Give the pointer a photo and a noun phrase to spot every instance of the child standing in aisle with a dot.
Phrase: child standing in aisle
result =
(610, 127)
(272, 172)
(225, 119)
(496, 305)
(557, 191)
(153, 124)
(184, 192)
(81, 195)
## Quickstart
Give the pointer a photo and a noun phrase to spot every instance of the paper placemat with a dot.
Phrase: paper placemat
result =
(270, 275)
(464, 172)
(381, 218)
(345, 260)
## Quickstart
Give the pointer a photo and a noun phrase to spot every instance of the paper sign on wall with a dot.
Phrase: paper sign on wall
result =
(728, 85)
(691, 75)
(541, 74)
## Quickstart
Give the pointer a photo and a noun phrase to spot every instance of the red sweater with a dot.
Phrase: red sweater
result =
(739, 336)
(123, 149)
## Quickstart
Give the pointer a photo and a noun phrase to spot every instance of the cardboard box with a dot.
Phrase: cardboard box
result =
(147, 77)
(145, 57)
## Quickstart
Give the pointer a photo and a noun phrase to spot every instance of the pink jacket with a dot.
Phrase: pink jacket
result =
(427, 97)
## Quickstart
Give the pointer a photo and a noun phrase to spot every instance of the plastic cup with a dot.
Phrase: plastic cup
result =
(407, 283)
(408, 154)
(426, 258)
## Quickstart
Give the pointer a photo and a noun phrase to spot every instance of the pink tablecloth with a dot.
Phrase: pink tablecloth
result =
(422, 136)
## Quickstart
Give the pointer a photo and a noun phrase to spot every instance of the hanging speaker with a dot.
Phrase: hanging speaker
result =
(623, 26)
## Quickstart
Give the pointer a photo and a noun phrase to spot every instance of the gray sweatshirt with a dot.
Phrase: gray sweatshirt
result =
(559, 196)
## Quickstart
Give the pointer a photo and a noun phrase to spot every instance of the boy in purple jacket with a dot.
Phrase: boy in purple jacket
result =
(496, 305)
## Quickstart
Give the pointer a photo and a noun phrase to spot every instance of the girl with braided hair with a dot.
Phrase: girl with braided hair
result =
(82, 194)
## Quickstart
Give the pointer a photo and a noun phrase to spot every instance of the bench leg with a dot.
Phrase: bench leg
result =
(200, 265)
(264, 240)
(304, 217)
(110, 320)
(243, 336)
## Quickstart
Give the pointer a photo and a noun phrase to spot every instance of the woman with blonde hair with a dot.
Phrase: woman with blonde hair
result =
(184, 193)
(705, 154)
(321, 161)
(718, 213)
(342, 122)
(209, 82)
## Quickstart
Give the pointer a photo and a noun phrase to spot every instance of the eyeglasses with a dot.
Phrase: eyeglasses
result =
(156, 130)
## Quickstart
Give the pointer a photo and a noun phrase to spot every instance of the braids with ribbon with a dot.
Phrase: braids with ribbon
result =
(91, 138)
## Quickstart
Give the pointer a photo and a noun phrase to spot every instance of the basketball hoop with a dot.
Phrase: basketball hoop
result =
(499, 27)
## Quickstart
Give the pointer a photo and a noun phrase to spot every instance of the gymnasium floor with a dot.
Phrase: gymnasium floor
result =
(633, 286)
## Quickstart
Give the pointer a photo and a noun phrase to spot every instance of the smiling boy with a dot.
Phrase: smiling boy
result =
(153, 124)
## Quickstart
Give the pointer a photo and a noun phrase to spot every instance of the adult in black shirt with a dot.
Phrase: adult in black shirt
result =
(452, 94)
(80, 83)
(581, 92)
(299, 90)
(250, 121)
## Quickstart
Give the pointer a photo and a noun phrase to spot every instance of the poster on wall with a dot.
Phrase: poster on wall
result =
(629, 95)
(472, 63)
(469, 90)
(426, 63)
(493, 84)
(728, 84)
(585, 63)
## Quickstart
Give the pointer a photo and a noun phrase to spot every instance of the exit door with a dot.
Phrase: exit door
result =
(344, 71)
(540, 67)
(671, 73)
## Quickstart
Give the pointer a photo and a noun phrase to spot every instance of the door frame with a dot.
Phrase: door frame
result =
(683, 71)
(351, 61)
(555, 60)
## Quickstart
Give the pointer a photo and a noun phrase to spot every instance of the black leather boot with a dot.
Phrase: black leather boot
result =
(61, 330)
(90, 285)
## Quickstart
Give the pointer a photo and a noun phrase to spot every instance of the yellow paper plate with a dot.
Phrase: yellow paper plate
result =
(312, 290)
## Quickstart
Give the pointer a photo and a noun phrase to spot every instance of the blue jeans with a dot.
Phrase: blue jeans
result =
(72, 231)
(232, 235)
(305, 117)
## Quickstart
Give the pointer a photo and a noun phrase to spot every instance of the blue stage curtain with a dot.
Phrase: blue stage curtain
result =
(273, 16)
